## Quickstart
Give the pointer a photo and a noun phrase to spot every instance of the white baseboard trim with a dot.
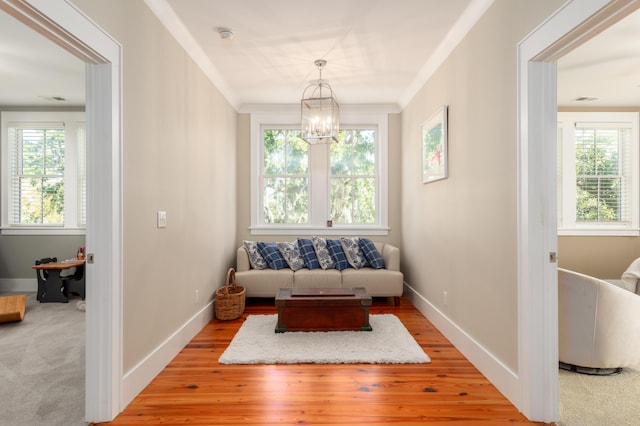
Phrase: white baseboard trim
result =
(136, 379)
(18, 284)
(502, 377)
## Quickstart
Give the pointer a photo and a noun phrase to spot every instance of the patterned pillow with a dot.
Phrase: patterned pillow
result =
(308, 253)
(272, 255)
(371, 253)
(255, 259)
(324, 257)
(337, 254)
(352, 251)
(291, 254)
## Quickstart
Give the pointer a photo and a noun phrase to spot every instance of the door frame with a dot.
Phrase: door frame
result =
(576, 22)
(65, 25)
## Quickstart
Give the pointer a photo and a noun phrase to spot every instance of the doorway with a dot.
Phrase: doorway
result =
(574, 23)
(66, 26)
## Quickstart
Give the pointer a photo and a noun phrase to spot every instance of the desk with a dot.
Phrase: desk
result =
(50, 288)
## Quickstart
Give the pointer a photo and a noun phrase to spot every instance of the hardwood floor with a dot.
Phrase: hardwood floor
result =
(195, 389)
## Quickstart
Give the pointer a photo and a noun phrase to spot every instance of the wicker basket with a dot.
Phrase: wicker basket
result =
(230, 299)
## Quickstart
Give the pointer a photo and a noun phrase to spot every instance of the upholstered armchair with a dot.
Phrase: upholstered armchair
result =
(599, 324)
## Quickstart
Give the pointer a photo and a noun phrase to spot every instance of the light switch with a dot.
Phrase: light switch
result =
(162, 219)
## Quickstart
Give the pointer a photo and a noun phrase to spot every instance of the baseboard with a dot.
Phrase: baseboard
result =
(503, 378)
(18, 284)
(136, 379)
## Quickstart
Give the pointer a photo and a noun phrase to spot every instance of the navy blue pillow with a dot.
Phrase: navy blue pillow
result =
(371, 253)
(270, 253)
(308, 253)
(337, 254)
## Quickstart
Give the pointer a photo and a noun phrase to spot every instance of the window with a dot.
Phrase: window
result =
(326, 188)
(353, 178)
(285, 188)
(44, 182)
(598, 173)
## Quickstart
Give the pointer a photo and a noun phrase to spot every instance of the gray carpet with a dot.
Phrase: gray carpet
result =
(600, 400)
(42, 365)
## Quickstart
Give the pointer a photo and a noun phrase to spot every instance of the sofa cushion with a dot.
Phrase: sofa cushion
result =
(317, 278)
(308, 253)
(255, 258)
(371, 253)
(378, 282)
(340, 261)
(322, 252)
(266, 282)
(270, 253)
(291, 254)
(352, 251)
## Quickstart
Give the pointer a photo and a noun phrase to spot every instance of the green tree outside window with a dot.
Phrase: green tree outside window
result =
(285, 185)
(39, 175)
(353, 178)
(599, 177)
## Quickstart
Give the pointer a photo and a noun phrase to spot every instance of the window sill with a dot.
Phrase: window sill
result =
(42, 231)
(599, 232)
(310, 230)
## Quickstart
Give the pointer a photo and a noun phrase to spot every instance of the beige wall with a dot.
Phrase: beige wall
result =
(244, 185)
(459, 234)
(602, 257)
(179, 155)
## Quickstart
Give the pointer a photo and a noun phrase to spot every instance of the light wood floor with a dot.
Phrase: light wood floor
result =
(195, 389)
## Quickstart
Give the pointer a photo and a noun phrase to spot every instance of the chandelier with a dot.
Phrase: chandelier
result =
(320, 112)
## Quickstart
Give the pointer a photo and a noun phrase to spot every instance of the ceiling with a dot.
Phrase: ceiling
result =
(378, 52)
(34, 71)
(607, 67)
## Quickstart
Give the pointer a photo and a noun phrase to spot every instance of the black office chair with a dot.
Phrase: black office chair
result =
(43, 275)
(74, 284)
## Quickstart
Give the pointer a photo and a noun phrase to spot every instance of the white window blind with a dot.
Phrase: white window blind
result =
(37, 173)
(82, 176)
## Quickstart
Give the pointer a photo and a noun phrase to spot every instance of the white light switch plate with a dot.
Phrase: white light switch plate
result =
(162, 219)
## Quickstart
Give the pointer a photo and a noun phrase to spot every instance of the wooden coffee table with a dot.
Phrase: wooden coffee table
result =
(323, 309)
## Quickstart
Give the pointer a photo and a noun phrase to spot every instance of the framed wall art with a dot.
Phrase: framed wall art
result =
(434, 146)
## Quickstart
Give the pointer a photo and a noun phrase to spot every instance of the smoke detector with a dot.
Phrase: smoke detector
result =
(225, 33)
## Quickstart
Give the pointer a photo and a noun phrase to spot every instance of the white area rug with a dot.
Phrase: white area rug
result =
(389, 343)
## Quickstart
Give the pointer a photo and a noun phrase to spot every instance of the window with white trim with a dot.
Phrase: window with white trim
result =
(353, 177)
(285, 177)
(598, 173)
(325, 189)
(43, 172)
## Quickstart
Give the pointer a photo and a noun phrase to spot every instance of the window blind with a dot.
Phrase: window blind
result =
(603, 172)
(37, 173)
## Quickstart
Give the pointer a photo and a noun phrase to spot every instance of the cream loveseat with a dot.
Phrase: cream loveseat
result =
(386, 281)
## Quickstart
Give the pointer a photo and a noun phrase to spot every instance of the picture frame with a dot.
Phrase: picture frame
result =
(434, 143)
